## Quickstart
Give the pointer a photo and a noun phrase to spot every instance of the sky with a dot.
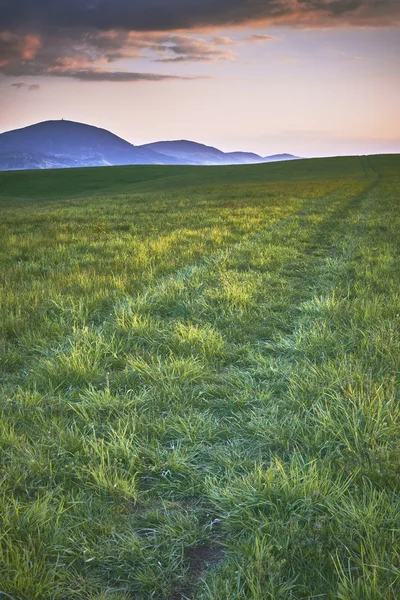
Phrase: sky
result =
(309, 77)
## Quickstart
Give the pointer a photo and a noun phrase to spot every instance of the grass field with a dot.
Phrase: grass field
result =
(199, 382)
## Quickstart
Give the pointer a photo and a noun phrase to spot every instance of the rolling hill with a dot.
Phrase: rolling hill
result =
(60, 144)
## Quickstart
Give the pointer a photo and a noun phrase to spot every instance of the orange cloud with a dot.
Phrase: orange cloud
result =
(14, 47)
(29, 47)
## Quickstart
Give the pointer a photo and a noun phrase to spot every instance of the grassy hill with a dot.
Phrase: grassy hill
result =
(199, 382)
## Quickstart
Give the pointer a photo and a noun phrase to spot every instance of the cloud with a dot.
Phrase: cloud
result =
(119, 76)
(13, 45)
(80, 52)
(76, 68)
(260, 38)
(30, 87)
(186, 48)
(89, 56)
(223, 40)
(160, 15)
(82, 38)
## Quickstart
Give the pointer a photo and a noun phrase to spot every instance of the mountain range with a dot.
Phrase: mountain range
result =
(60, 144)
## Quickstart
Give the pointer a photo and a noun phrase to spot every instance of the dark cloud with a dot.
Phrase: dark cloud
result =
(12, 45)
(171, 15)
(119, 76)
(81, 38)
(88, 56)
(30, 87)
(73, 68)
(77, 52)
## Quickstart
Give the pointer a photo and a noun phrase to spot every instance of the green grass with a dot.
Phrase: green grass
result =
(199, 382)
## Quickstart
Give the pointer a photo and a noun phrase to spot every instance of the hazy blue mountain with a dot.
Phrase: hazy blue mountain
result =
(190, 152)
(58, 144)
(243, 158)
(53, 144)
(199, 154)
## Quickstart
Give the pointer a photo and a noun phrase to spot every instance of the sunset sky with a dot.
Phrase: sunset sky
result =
(309, 77)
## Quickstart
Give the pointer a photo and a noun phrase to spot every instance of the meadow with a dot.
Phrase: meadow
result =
(199, 382)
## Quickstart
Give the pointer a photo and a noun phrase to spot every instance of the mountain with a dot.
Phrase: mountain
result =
(200, 154)
(190, 152)
(60, 144)
(54, 144)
